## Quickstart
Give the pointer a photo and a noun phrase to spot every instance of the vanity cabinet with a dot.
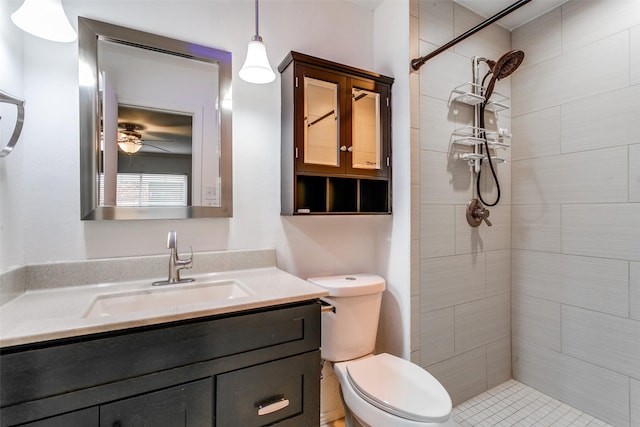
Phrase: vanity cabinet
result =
(336, 138)
(249, 369)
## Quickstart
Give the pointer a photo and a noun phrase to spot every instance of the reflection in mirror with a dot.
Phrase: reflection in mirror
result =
(321, 146)
(365, 140)
(155, 137)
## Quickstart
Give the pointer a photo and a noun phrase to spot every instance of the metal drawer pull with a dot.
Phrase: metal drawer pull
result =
(272, 405)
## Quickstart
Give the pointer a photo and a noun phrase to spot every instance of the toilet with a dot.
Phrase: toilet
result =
(377, 390)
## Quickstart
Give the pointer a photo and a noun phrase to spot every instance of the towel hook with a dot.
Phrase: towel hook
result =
(19, 103)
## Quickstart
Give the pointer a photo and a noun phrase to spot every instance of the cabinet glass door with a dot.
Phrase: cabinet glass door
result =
(366, 129)
(321, 123)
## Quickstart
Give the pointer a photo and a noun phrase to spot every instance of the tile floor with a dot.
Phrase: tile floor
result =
(513, 404)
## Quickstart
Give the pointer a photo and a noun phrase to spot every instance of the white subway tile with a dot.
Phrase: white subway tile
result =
(597, 176)
(536, 227)
(536, 134)
(634, 48)
(498, 272)
(594, 283)
(488, 186)
(572, 76)
(436, 336)
(436, 21)
(414, 87)
(436, 125)
(602, 18)
(448, 281)
(536, 87)
(480, 322)
(635, 290)
(492, 42)
(635, 402)
(483, 238)
(582, 75)
(463, 376)
(609, 341)
(602, 230)
(595, 390)
(437, 230)
(414, 36)
(444, 179)
(540, 39)
(415, 323)
(441, 74)
(600, 121)
(498, 362)
(415, 267)
(536, 320)
(634, 173)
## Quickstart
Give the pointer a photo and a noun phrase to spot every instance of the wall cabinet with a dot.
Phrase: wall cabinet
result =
(336, 138)
(246, 369)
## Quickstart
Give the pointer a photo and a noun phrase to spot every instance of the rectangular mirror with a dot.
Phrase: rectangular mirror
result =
(155, 126)
(366, 127)
(321, 113)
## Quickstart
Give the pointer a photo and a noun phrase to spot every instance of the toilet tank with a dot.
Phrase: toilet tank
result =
(350, 330)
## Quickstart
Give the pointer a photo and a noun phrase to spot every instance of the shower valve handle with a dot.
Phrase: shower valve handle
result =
(476, 213)
(484, 215)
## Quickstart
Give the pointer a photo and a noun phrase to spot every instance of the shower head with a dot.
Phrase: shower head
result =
(502, 68)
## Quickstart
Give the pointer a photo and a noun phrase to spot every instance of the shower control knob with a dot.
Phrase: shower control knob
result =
(476, 213)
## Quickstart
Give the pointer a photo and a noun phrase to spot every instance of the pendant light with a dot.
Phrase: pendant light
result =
(45, 19)
(256, 68)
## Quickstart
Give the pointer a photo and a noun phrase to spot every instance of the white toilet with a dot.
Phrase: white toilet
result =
(378, 390)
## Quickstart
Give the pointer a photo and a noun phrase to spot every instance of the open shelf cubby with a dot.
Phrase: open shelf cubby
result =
(332, 195)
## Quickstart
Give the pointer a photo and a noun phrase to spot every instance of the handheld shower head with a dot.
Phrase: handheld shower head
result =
(502, 68)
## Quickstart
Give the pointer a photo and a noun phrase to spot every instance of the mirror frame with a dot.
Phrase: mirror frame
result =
(89, 32)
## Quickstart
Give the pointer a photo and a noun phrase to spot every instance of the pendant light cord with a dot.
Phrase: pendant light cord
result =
(257, 36)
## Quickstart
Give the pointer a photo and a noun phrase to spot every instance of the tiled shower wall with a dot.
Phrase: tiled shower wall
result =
(576, 207)
(461, 279)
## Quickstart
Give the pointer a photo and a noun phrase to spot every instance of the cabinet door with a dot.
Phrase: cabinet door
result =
(187, 405)
(284, 392)
(368, 139)
(82, 418)
(319, 120)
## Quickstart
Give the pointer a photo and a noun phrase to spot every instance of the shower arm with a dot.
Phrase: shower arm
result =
(418, 62)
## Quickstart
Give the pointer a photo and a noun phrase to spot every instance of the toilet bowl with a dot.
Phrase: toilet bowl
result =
(377, 390)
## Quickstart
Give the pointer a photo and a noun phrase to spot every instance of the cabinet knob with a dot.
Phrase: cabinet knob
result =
(343, 148)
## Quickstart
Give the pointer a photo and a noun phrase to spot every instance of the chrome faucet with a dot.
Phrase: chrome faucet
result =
(175, 263)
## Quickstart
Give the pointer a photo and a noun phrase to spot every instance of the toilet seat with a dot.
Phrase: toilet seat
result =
(399, 387)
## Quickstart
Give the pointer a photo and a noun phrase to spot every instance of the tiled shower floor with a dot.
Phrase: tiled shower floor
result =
(513, 404)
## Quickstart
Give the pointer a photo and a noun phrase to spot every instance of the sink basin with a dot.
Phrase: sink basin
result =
(169, 297)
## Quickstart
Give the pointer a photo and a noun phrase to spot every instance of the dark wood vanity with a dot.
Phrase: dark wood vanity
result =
(336, 138)
(247, 369)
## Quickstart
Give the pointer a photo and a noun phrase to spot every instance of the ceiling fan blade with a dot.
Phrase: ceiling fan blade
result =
(155, 146)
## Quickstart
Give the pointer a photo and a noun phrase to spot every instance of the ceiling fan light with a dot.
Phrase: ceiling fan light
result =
(256, 68)
(45, 19)
(129, 147)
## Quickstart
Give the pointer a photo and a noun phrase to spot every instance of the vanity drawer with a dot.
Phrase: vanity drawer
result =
(280, 392)
(54, 368)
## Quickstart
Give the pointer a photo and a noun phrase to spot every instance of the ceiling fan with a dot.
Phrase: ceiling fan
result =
(130, 139)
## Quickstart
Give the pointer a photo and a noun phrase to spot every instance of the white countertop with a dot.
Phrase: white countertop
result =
(48, 314)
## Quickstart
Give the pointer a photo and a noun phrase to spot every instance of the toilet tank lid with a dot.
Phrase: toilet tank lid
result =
(348, 285)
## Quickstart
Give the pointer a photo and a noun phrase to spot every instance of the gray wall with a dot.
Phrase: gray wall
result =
(460, 275)
(576, 194)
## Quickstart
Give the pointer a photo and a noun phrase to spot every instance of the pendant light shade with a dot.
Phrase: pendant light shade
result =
(256, 68)
(45, 19)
